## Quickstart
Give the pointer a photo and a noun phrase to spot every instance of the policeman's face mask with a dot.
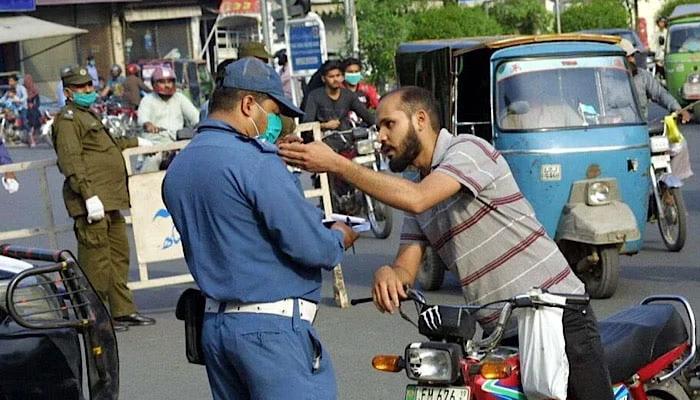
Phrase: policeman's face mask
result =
(272, 129)
(83, 98)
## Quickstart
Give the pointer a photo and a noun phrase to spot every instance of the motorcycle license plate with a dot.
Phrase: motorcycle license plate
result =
(415, 392)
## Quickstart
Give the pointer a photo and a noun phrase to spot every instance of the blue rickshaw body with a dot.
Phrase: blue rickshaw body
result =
(620, 152)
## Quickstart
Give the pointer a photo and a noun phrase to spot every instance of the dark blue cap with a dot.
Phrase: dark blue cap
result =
(249, 73)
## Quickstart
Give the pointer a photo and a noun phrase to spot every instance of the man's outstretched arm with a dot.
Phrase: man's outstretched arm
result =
(397, 192)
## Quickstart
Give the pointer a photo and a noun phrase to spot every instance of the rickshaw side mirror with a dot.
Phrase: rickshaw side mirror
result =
(519, 107)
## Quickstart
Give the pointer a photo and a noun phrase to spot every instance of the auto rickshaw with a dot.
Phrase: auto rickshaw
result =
(682, 59)
(562, 111)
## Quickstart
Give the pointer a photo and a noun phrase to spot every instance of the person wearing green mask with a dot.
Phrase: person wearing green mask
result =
(94, 191)
(353, 81)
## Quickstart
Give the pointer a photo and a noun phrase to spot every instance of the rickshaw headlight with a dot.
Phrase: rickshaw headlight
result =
(659, 144)
(598, 194)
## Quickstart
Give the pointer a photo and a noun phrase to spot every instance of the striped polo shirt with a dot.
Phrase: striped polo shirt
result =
(487, 232)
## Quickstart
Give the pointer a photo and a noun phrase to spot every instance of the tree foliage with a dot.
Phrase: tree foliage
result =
(522, 16)
(594, 14)
(452, 21)
(383, 25)
(668, 6)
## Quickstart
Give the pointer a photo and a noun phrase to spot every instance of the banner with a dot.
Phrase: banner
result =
(228, 7)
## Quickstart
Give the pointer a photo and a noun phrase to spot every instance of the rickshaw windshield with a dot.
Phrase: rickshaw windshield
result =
(564, 93)
(684, 38)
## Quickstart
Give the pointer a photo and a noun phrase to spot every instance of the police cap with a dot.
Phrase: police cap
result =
(75, 76)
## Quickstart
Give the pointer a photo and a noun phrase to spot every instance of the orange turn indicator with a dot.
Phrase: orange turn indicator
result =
(387, 363)
(495, 369)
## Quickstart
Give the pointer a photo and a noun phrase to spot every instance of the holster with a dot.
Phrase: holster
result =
(190, 308)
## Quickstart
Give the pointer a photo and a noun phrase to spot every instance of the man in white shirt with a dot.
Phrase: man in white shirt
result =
(164, 112)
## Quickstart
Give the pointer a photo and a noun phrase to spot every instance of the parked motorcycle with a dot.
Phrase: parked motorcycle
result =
(649, 349)
(666, 204)
(10, 124)
(362, 147)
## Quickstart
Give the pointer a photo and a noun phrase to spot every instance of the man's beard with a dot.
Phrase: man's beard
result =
(407, 152)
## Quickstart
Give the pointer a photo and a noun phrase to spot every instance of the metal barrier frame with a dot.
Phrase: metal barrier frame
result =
(144, 282)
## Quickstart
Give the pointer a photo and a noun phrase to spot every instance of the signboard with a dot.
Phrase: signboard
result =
(306, 44)
(17, 5)
(228, 7)
(155, 236)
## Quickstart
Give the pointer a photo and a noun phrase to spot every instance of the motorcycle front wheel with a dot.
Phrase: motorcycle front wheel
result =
(672, 218)
(381, 220)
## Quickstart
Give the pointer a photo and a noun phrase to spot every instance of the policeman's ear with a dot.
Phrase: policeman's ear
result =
(68, 93)
(247, 105)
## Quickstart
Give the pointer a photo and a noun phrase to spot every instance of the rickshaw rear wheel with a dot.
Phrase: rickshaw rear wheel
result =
(672, 219)
(432, 271)
(601, 279)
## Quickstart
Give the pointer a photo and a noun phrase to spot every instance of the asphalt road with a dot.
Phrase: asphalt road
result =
(153, 364)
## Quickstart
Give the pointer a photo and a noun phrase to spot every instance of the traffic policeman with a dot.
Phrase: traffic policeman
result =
(257, 259)
(94, 191)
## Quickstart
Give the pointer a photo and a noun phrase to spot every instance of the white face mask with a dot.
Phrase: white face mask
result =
(255, 126)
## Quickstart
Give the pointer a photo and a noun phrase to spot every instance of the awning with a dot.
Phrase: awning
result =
(19, 28)
(155, 14)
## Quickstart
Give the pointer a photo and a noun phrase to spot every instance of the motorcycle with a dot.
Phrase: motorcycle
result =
(362, 147)
(649, 349)
(120, 120)
(10, 124)
(666, 204)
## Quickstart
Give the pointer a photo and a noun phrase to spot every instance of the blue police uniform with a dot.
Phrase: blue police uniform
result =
(249, 236)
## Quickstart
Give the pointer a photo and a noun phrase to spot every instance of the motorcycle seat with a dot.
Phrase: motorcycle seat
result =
(638, 335)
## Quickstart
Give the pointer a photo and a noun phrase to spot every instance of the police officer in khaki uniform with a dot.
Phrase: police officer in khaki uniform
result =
(94, 191)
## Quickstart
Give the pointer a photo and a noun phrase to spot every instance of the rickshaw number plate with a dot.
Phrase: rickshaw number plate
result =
(550, 172)
(415, 392)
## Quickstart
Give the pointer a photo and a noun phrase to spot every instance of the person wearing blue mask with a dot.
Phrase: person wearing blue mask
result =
(94, 191)
(258, 260)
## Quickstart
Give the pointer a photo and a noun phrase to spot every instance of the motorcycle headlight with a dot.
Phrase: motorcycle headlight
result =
(598, 194)
(365, 146)
(659, 144)
(433, 362)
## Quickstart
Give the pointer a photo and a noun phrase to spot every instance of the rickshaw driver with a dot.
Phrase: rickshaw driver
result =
(541, 111)
(470, 209)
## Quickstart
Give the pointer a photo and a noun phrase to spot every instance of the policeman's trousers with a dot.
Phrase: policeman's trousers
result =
(265, 357)
(103, 253)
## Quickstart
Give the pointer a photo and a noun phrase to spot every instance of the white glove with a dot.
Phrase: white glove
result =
(95, 209)
(144, 142)
(11, 185)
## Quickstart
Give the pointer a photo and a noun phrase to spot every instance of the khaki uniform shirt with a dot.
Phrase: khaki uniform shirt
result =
(91, 160)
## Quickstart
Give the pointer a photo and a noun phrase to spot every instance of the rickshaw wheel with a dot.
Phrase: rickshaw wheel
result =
(672, 219)
(601, 279)
(432, 271)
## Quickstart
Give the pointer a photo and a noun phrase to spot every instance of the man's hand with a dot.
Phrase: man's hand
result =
(9, 182)
(388, 289)
(95, 209)
(150, 128)
(332, 124)
(313, 157)
(685, 116)
(349, 236)
(289, 139)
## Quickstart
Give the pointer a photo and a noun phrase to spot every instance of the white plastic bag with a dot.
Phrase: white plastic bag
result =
(544, 368)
